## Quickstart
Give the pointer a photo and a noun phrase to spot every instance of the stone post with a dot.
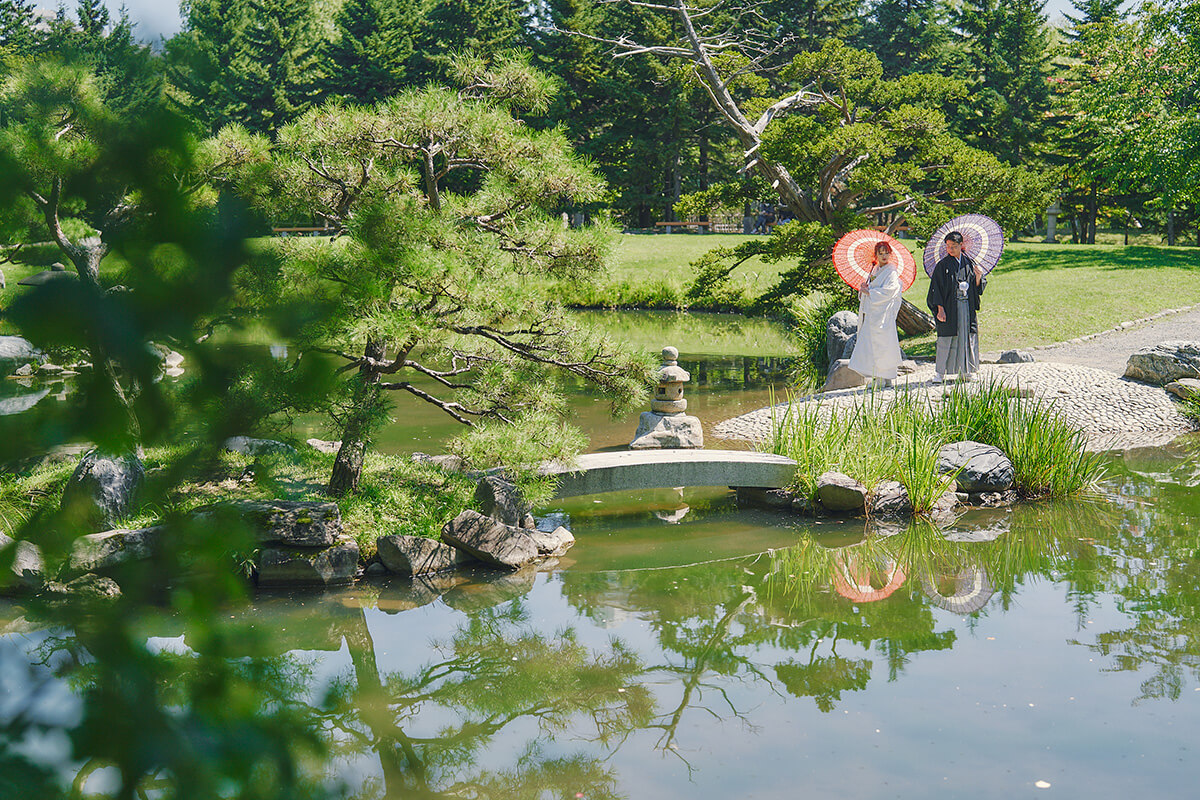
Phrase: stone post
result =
(665, 425)
(1052, 222)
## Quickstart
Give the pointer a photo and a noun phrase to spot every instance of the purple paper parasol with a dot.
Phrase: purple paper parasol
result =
(983, 241)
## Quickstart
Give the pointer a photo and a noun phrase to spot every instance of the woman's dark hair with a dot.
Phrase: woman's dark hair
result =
(954, 236)
(880, 245)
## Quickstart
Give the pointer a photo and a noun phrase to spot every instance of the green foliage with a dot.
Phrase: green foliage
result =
(1191, 408)
(808, 320)
(907, 36)
(253, 62)
(366, 57)
(446, 205)
(1007, 65)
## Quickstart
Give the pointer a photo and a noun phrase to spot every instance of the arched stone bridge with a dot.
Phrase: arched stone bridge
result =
(626, 470)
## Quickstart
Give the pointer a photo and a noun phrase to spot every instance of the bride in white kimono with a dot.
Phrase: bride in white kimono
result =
(877, 350)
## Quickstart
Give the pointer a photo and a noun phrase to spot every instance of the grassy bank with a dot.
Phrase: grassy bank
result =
(396, 496)
(873, 442)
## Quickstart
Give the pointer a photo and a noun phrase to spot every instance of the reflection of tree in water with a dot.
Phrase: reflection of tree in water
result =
(430, 727)
(1152, 564)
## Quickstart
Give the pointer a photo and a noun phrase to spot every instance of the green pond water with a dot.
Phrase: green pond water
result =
(684, 648)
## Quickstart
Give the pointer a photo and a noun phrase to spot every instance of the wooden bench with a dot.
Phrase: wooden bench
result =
(668, 225)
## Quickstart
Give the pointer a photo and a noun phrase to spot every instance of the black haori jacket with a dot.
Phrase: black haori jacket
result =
(943, 291)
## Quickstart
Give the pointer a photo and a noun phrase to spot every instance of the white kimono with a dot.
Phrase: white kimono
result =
(877, 349)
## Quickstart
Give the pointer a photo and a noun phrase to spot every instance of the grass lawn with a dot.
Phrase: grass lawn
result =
(1039, 294)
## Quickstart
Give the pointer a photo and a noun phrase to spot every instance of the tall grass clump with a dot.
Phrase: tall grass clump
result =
(1190, 407)
(1050, 458)
(877, 440)
(808, 320)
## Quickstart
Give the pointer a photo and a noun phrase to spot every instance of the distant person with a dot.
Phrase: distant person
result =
(953, 299)
(877, 350)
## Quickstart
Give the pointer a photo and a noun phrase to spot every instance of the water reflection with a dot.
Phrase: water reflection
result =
(560, 682)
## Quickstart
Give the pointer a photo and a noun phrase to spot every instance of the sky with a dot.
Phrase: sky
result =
(157, 18)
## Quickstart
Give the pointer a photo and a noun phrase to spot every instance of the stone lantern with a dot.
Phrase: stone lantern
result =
(665, 425)
(668, 397)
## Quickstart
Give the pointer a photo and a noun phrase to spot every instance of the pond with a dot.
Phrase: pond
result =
(688, 648)
(721, 653)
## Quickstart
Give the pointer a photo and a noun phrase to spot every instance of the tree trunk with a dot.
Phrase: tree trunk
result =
(913, 320)
(1171, 228)
(356, 433)
(1092, 212)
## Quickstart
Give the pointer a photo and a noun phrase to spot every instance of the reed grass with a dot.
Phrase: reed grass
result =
(877, 440)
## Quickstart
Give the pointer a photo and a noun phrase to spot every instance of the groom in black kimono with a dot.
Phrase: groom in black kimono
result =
(953, 299)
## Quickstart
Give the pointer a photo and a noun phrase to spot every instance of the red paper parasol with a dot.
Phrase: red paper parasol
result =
(983, 241)
(853, 253)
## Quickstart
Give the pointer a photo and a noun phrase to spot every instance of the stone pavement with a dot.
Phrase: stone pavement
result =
(1113, 412)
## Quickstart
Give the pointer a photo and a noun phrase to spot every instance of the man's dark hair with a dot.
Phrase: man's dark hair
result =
(954, 236)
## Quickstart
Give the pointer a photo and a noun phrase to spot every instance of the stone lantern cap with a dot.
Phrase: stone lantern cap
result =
(671, 372)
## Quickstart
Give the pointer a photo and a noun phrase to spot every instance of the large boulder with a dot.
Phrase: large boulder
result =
(840, 493)
(104, 552)
(86, 588)
(1014, 357)
(841, 328)
(490, 540)
(26, 571)
(667, 432)
(890, 499)
(279, 566)
(1164, 362)
(417, 555)
(446, 461)
(295, 523)
(103, 488)
(842, 377)
(503, 501)
(16, 352)
(980, 467)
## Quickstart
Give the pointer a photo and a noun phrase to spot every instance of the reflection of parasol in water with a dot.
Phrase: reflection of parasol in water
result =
(972, 590)
(852, 580)
(854, 253)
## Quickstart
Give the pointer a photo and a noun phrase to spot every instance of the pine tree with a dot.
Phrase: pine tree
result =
(907, 35)
(1091, 12)
(365, 60)
(199, 59)
(17, 34)
(809, 22)
(247, 61)
(93, 18)
(452, 27)
(1006, 65)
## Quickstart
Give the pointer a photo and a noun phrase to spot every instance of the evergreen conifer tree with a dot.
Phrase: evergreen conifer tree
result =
(1006, 67)
(17, 34)
(907, 35)
(452, 27)
(1090, 12)
(365, 59)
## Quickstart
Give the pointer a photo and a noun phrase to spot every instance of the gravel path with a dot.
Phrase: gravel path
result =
(1109, 350)
(1081, 379)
